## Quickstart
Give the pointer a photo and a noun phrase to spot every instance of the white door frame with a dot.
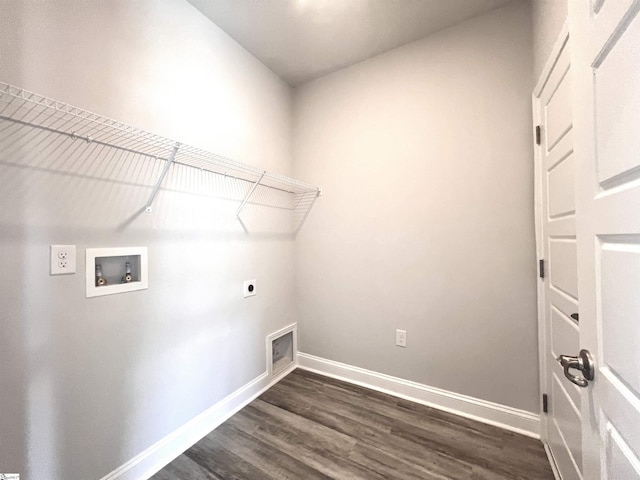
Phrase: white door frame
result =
(563, 38)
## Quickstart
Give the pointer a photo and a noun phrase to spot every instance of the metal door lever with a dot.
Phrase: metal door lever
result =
(583, 362)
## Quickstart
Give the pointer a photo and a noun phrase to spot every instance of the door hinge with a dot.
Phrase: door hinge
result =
(541, 268)
(545, 403)
(538, 135)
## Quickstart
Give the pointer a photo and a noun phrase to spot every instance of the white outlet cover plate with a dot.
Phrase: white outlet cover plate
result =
(62, 259)
(249, 288)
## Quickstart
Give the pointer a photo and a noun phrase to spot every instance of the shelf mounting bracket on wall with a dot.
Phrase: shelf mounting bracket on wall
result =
(248, 195)
(165, 170)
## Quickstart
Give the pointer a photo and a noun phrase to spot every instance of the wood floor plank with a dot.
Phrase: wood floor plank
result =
(264, 456)
(390, 465)
(310, 426)
(319, 447)
(373, 429)
(347, 413)
(212, 454)
(184, 467)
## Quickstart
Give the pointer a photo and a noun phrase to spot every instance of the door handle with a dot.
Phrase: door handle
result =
(583, 362)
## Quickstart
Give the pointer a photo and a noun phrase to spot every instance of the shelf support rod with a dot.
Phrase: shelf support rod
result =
(165, 170)
(248, 195)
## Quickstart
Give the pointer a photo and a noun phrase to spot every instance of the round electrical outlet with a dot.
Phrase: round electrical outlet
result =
(249, 288)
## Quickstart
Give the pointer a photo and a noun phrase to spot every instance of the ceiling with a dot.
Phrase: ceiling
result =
(301, 40)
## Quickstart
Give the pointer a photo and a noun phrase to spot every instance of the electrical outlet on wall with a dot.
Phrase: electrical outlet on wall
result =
(63, 259)
(249, 288)
(401, 338)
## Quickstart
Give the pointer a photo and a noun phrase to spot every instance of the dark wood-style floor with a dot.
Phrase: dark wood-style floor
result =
(313, 427)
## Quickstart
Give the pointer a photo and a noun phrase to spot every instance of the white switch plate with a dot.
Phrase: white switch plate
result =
(249, 288)
(401, 338)
(63, 259)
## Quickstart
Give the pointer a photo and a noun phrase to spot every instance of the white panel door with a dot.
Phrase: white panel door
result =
(605, 40)
(555, 187)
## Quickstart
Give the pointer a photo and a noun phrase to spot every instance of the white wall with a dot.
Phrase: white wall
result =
(86, 384)
(548, 16)
(425, 158)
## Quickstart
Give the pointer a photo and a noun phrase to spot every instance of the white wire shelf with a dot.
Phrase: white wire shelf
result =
(30, 109)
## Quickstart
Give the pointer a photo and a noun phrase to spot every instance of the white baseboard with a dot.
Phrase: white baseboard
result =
(154, 458)
(509, 418)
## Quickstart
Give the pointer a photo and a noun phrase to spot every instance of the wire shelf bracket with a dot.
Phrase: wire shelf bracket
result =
(148, 207)
(248, 195)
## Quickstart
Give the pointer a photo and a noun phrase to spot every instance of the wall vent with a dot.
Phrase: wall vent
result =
(282, 350)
